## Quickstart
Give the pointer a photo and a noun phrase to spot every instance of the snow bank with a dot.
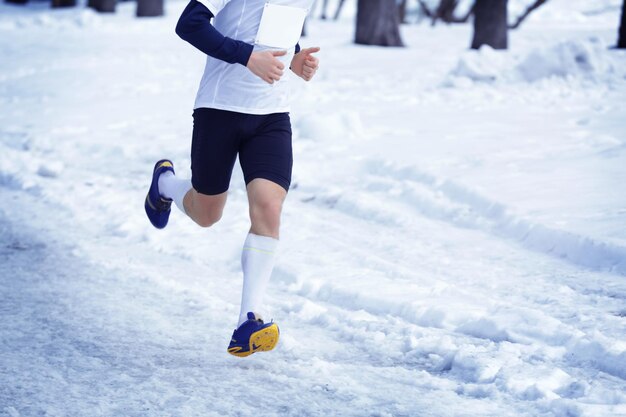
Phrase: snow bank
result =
(14, 149)
(334, 126)
(589, 59)
(484, 65)
(594, 354)
(571, 58)
(446, 200)
(52, 20)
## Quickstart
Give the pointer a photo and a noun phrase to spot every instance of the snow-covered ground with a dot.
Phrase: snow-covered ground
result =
(454, 243)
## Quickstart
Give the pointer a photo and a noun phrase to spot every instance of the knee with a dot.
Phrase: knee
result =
(266, 211)
(205, 210)
(208, 219)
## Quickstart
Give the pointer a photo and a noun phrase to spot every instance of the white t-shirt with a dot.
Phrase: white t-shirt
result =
(232, 86)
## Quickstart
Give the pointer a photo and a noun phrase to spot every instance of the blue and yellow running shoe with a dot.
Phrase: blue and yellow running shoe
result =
(158, 208)
(253, 336)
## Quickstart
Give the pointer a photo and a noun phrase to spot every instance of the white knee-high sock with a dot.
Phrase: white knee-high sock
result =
(257, 262)
(174, 188)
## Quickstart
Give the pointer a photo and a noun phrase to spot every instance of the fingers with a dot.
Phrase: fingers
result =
(271, 79)
(276, 72)
(311, 50)
(311, 62)
(266, 65)
(276, 61)
(308, 70)
(309, 67)
(274, 69)
(274, 75)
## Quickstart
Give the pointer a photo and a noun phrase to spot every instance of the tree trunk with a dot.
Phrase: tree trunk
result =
(537, 4)
(339, 7)
(102, 6)
(63, 3)
(149, 8)
(324, 8)
(445, 11)
(490, 24)
(402, 11)
(377, 23)
(621, 42)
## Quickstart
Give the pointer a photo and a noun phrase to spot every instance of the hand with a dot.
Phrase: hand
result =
(266, 66)
(304, 64)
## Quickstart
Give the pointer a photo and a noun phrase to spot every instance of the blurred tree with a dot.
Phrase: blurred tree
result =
(377, 23)
(63, 3)
(103, 6)
(621, 41)
(445, 12)
(490, 24)
(324, 8)
(339, 7)
(402, 10)
(149, 8)
(425, 9)
(16, 1)
(529, 10)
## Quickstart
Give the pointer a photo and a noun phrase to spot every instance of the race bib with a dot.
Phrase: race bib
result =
(281, 26)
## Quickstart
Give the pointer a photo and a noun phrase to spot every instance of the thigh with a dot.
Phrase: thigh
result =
(214, 148)
(266, 153)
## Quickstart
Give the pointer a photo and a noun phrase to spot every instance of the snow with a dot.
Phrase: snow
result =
(584, 59)
(453, 244)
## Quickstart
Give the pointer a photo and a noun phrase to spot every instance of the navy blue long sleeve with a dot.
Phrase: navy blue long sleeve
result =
(194, 26)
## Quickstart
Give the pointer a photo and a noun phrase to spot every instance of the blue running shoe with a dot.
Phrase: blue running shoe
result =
(158, 208)
(253, 336)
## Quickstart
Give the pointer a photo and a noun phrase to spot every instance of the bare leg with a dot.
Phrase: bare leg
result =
(205, 210)
(266, 202)
(257, 258)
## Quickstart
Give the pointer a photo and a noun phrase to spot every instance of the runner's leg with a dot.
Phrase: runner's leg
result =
(257, 259)
(266, 160)
(174, 188)
(205, 210)
(213, 153)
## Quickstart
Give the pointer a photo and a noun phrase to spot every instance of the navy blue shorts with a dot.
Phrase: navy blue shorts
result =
(263, 143)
